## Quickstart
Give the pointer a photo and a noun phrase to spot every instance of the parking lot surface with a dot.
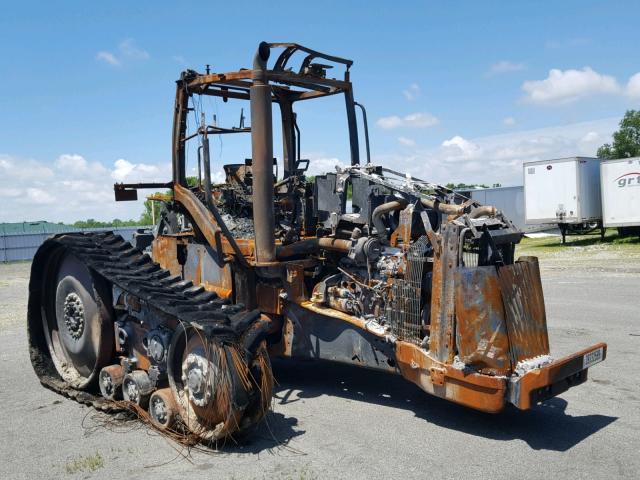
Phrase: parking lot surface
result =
(333, 421)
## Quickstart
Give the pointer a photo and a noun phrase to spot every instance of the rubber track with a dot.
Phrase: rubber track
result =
(121, 264)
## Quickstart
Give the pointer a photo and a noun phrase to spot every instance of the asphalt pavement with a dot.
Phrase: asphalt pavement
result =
(333, 421)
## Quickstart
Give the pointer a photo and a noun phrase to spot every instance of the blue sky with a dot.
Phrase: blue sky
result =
(455, 91)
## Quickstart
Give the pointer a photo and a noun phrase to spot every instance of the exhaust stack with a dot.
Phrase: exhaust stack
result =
(262, 158)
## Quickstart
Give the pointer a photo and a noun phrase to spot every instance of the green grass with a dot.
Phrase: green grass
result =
(88, 463)
(612, 242)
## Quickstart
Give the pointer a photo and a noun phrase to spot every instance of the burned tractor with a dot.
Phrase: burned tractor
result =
(363, 265)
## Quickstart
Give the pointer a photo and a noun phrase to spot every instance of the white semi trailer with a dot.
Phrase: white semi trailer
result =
(510, 200)
(564, 191)
(620, 187)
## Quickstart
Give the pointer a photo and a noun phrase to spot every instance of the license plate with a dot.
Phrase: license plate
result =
(592, 358)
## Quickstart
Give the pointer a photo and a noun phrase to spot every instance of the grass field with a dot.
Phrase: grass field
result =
(585, 252)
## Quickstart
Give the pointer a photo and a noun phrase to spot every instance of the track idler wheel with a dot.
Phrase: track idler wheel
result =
(162, 409)
(110, 382)
(136, 387)
(70, 319)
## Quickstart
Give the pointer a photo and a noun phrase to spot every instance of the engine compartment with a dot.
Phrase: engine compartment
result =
(368, 237)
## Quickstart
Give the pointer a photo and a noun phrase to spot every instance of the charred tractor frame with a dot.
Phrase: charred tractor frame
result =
(364, 265)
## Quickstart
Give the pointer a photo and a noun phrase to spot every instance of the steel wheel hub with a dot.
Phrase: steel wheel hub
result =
(159, 410)
(132, 391)
(74, 315)
(107, 383)
(196, 379)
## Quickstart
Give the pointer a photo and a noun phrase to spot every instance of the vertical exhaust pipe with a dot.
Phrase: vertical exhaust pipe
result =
(262, 158)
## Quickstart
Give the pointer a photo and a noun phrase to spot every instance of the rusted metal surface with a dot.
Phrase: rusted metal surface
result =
(165, 251)
(482, 392)
(294, 283)
(370, 326)
(550, 380)
(523, 300)
(311, 245)
(268, 297)
(403, 308)
(212, 229)
(384, 209)
(203, 267)
(481, 332)
(320, 334)
(441, 339)
(262, 158)
(402, 234)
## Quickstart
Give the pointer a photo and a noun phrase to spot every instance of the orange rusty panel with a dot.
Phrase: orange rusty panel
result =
(284, 347)
(164, 250)
(552, 379)
(203, 267)
(481, 333)
(138, 350)
(246, 245)
(523, 300)
(475, 390)
(403, 232)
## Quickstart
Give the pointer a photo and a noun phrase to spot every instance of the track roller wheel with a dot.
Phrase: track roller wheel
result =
(209, 381)
(262, 380)
(162, 409)
(136, 387)
(110, 382)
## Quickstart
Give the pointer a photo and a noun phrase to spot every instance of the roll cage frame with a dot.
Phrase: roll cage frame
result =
(287, 87)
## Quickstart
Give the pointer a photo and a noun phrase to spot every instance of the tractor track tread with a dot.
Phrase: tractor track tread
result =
(121, 264)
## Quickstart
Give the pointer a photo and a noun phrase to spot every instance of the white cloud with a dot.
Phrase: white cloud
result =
(10, 192)
(457, 148)
(127, 51)
(71, 189)
(71, 162)
(505, 66)
(565, 86)
(108, 58)
(590, 137)
(413, 92)
(40, 197)
(633, 86)
(413, 120)
(407, 142)
(320, 163)
(509, 121)
(125, 170)
(499, 158)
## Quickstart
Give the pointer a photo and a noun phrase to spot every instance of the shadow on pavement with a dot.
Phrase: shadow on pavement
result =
(273, 433)
(545, 427)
